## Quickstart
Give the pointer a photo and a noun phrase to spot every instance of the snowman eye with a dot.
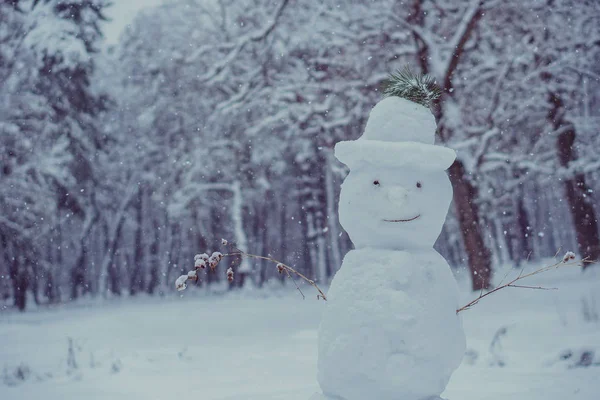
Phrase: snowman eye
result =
(419, 185)
(376, 183)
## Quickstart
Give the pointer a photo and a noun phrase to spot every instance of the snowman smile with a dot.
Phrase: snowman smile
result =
(402, 220)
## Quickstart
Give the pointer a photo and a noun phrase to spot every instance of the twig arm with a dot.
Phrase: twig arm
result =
(568, 260)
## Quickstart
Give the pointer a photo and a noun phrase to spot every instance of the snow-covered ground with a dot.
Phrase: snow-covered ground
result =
(522, 344)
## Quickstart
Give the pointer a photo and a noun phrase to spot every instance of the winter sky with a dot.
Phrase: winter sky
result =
(121, 13)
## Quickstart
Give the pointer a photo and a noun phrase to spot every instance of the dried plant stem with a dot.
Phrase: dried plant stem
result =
(288, 270)
(556, 265)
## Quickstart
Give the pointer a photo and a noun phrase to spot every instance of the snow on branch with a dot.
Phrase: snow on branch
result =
(201, 261)
(567, 260)
(236, 48)
(459, 40)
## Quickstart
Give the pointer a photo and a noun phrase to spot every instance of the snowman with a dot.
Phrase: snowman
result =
(390, 329)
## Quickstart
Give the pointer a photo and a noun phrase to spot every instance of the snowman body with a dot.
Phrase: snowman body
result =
(390, 329)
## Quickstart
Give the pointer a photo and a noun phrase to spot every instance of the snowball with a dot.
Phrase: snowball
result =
(395, 119)
(379, 215)
(393, 333)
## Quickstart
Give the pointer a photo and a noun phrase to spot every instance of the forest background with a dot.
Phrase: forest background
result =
(217, 119)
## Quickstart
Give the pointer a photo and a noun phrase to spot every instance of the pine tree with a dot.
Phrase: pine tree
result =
(48, 125)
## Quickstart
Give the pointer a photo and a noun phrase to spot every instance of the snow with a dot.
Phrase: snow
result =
(192, 275)
(380, 337)
(57, 38)
(244, 347)
(180, 282)
(569, 255)
(364, 207)
(200, 263)
(120, 14)
(393, 154)
(203, 257)
(395, 119)
(398, 133)
(390, 328)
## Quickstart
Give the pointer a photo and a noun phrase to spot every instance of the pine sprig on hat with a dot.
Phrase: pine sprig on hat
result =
(418, 88)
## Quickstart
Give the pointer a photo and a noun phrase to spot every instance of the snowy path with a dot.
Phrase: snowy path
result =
(247, 348)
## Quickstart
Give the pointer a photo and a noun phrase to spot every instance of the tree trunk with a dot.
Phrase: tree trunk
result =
(578, 194)
(111, 251)
(155, 259)
(524, 231)
(59, 258)
(20, 281)
(50, 282)
(112, 271)
(174, 249)
(312, 200)
(79, 269)
(468, 217)
(136, 283)
(261, 229)
(465, 194)
(283, 233)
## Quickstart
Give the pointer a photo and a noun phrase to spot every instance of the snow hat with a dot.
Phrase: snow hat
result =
(399, 133)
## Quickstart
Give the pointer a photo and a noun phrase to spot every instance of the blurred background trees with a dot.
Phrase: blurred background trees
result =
(217, 119)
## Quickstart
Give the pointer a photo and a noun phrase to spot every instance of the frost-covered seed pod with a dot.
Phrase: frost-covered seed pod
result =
(569, 255)
(280, 268)
(230, 274)
(199, 263)
(180, 283)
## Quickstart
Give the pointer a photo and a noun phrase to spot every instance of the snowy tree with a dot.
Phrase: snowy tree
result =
(48, 129)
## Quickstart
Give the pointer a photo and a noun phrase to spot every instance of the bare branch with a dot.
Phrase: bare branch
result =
(459, 40)
(213, 260)
(289, 270)
(568, 260)
(236, 48)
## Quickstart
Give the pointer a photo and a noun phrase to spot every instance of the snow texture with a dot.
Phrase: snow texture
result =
(180, 283)
(390, 329)
(569, 255)
(261, 345)
(398, 133)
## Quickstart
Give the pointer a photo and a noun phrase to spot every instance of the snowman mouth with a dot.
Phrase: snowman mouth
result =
(402, 220)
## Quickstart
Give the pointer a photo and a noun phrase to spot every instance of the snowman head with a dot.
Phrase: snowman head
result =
(397, 193)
